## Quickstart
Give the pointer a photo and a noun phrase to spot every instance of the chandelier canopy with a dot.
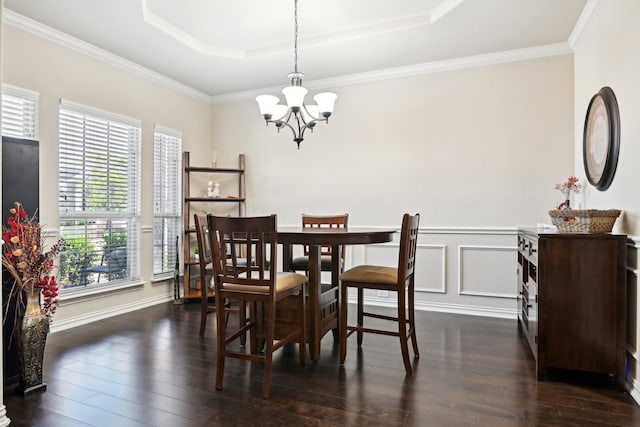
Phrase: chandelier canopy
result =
(301, 115)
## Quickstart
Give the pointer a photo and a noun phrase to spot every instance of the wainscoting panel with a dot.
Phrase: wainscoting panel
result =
(485, 271)
(431, 268)
(460, 270)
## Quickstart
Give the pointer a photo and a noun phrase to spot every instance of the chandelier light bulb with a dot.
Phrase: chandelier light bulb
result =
(267, 104)
(326, 101)
(295, 97)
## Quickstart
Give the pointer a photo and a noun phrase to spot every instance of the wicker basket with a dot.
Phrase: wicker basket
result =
(589, 221)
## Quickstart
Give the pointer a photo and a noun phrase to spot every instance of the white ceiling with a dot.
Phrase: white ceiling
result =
(223, 47)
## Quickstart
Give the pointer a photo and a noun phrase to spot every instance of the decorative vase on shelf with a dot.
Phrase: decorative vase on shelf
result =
(32, 336)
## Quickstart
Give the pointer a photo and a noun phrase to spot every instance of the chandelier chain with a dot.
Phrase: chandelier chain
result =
(295, 40)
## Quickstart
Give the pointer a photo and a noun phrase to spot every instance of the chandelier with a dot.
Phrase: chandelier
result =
(296, 115)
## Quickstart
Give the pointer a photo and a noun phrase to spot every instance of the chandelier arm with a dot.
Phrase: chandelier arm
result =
(299, 117)
(314, 118)
(283, 124)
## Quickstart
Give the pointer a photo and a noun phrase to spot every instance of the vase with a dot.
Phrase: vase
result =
(32, 336)
(567, 199)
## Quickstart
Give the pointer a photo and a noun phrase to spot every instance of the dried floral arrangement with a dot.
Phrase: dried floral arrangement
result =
(25, 260)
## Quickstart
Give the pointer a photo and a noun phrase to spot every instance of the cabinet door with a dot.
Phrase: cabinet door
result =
(578, 299)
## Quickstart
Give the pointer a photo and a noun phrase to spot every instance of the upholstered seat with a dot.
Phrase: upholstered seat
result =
(398, 279)
(371, 274)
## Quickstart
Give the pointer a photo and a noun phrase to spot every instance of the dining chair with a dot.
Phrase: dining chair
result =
(259, 285)
(205, 261)
(398, 279)
(301, 263)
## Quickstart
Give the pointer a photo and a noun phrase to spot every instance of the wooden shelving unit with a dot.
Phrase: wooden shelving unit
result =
(191, 287)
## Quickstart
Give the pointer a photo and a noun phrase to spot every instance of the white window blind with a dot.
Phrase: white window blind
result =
(19, 112)
(166, 198)
(99, 161)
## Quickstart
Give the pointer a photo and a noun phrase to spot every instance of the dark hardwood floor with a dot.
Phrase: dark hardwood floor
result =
(151, 368)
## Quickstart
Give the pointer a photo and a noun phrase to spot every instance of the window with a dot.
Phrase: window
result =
(166, 198)
(19, 112)
(99, 160)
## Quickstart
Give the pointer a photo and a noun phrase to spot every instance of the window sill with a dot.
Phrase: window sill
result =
(84, 293)
(162, 279)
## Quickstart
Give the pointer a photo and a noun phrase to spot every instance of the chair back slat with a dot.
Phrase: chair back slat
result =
(408, 246)
(324, 221)
(202, 237)
(243, 248)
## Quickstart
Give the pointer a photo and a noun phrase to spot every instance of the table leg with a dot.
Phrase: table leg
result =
(286, 257)
(335, 282)
(314, 301)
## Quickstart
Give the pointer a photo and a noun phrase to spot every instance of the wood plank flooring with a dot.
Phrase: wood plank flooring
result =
(150, 368)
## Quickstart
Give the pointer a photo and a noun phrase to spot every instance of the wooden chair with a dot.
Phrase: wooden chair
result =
(205, 257)
(301, 263)
(398, 279)
(234, 240)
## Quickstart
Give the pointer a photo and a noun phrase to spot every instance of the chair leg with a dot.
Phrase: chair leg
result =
(222, 345)
(343, 323)
(242, 320)
(402, 331)
(360, 315)
(203, 313)
(302, 312)
(255, 310)
(412, 321)
(268, 353)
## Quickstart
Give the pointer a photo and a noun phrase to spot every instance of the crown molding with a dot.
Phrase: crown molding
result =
(412, 70)
(48, 33)
(590, 9)
(22, 22)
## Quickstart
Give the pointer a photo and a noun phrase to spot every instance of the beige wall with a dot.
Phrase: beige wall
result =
(607, 54)
(479, 147)
(476, 151)
(58, 72)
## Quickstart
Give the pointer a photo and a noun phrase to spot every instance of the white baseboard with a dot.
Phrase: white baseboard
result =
(446, 308)
(94, 316)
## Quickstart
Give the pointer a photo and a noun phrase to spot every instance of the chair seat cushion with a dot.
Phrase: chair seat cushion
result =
(284, 282)
(371, 274)
(301, 263)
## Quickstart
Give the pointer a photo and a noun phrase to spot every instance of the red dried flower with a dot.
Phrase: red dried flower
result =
(25, 260)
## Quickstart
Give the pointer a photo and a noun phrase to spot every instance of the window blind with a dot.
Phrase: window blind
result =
(98, 195)
(167, 175)
(19, 112)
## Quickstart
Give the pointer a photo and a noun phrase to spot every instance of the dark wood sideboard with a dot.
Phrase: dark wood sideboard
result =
(572, 301)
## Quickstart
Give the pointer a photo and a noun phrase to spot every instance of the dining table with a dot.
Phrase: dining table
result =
(323, 304)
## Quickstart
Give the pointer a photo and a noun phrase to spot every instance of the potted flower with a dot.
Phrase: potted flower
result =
(34, 289)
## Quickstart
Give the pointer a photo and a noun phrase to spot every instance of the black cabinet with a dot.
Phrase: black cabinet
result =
(20, 175)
